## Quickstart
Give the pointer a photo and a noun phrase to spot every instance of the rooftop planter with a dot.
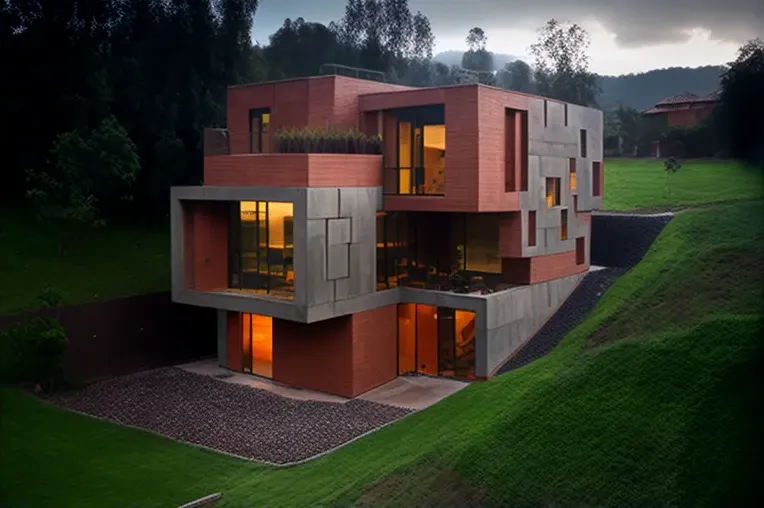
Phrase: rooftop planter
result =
(310, 140)
(303, 158)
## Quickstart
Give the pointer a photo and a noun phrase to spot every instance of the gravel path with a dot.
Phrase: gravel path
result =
(619, 242)
(572, 312)
(232, 418)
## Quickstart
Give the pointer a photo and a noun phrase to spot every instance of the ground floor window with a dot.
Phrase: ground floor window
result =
(436, 341)
(257, 344)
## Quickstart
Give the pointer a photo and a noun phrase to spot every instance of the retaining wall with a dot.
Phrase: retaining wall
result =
(127, 335)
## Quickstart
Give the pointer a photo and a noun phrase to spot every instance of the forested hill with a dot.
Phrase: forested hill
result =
(639, 91)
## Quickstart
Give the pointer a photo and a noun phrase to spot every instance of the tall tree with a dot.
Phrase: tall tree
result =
(159, 67)
(561, 66)
(299, 48)
(517, 76)
(742, 103)
(477, 57)
(384, 35)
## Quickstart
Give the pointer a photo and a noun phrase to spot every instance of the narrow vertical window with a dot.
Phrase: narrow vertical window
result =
(597, 178)
(546, 114)
(260, 130)
(510, 150)
(563, 225)
(572, 174)
(522, 125)
(566, 115)
(582, 143)
(532, 228)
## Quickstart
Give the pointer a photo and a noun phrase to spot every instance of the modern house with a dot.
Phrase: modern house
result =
(442, 255)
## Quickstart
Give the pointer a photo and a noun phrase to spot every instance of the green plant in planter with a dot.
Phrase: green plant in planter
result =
(310, 140)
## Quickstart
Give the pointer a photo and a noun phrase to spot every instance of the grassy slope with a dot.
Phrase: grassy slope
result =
(83, 264)
(642, 184)
(654, 415)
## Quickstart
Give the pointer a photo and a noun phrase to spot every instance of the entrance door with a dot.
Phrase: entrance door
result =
(436, 341)
(257, 344)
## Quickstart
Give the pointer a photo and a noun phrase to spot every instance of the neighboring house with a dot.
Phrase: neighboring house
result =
(333, 272)
(685, 109)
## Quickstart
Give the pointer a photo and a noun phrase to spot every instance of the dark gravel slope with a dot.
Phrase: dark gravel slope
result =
(233, 418)
(618, 242)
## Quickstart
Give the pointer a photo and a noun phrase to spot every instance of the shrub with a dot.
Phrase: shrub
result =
(309, 140)
(33, 352)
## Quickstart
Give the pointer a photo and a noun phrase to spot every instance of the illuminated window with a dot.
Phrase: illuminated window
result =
(257, 344)
(260, 130)
(552, 192)
(572, 174)
(262, 247)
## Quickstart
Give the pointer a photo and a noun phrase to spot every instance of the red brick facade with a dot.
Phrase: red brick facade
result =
(346, 356)
(205, 233)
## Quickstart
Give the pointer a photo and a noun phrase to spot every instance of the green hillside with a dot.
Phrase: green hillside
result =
(646, 403)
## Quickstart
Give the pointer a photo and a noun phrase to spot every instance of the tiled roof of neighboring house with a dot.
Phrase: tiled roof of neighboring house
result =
(684, 100)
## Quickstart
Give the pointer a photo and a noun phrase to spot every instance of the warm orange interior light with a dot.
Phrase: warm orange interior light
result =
(262, 343)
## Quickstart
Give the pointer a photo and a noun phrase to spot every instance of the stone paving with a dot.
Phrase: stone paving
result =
(233, 418)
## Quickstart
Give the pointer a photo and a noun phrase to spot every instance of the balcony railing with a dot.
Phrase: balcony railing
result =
(412, 182)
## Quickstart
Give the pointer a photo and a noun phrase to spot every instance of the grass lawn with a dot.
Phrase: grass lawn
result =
(80, 263)
(649, 402)
(641, 184)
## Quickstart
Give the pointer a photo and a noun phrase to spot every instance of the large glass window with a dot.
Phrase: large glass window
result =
(483, 243)
(262, 247)
(436, 341)
(419, 166)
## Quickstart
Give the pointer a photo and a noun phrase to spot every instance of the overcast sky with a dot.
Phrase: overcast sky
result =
(626, 35)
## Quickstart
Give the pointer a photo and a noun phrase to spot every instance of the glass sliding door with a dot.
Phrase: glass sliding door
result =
(436, 341)
(257, 344)
(427, 339)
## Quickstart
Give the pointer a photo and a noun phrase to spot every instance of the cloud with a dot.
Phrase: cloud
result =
(635, 23)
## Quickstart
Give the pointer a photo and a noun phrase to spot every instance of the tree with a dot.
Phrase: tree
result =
(516, 76)
(384, 35)
(477, 57)
(159, 67)
(299, 48)
(742, 103)
(91, 175)
(476, 39)
(561, 66)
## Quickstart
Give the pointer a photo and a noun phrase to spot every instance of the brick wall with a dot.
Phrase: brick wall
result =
(375, 348)
(205, 229)
(294, 170)
(317, 356)
(492, 104)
